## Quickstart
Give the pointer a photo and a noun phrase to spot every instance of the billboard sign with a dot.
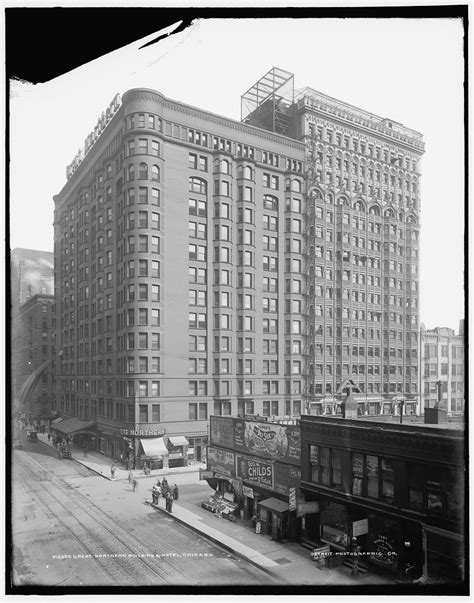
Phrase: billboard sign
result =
(221, 461)
(222, 431)
(256, 471)
(271, 440)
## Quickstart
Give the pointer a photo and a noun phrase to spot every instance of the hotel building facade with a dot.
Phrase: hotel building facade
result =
(442, 360)
(209, 266)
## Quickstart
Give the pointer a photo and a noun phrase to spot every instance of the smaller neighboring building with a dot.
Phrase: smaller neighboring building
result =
(255, 465)
(32, 345)
(398, 489)
(442, 359)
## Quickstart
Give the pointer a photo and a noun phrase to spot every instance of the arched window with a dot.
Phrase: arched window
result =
(359, 206)
(343, 201)
(330, 198)
(296, 186)
(197, 185)
(374, 210)
(317, 194)
(388, 213)
(143, 171)
(155, 173)
(131, 172)
(248, 173)
(224, 166)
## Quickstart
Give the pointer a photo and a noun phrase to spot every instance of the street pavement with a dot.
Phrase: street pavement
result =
(288, 562)
(72, 527)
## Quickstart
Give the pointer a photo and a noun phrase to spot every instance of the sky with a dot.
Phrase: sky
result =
(410, 70)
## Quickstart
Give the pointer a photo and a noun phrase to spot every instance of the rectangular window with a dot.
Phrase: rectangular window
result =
(143, 413)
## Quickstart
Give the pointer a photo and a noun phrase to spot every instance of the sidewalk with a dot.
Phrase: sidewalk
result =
(287, 563)
(100, 464)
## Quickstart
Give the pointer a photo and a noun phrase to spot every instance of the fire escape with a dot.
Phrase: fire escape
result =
(310, 326)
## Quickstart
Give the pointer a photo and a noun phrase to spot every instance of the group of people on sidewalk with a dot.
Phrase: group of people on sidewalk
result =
(169, 493)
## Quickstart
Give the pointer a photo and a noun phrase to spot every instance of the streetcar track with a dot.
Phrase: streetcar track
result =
(110, 566)
(122, 564)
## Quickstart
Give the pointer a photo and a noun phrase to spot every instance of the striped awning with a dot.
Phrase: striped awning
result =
(154, 447)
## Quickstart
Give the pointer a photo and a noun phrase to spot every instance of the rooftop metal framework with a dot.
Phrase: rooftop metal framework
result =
(267, 103)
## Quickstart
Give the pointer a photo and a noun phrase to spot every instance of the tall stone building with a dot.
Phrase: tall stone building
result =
(209, 266)
(361, 245)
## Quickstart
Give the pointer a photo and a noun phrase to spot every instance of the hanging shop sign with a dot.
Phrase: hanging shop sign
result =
(360, 527)
(205, 474)
(247, 491)
(292, 499)
(304, 508)
(221, 461)
(94, 135)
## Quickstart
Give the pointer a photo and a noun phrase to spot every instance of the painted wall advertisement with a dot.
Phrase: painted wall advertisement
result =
(257, 471)
(220, 461)
(286, 477)
(268, 439)
(222, 431)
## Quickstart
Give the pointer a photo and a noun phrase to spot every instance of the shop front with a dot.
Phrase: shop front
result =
(82, 433)
(444, 555)
(153, 452)
(395, 545)
(274, 515)
(177, 451)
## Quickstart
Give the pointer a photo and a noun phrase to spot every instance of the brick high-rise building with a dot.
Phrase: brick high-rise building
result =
(33, 345)
(208, 266)
(170, 258)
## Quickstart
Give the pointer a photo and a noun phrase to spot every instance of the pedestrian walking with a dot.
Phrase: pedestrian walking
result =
(85, 453)
(355, 550)
(169, 502)
(175, 492)
(154, 495)
(130, 477)
(121, 459)
(49, 437)
(134, 484)
(112, 471)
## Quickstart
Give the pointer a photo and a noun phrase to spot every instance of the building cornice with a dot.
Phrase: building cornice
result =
(155, 96)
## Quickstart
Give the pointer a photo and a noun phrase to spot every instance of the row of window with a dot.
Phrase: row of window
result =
(324, 133)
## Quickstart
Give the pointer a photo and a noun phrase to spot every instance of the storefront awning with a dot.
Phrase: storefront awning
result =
(154, 447)
(58, 420)
(178, 441)
(274, 504)
(74, 425)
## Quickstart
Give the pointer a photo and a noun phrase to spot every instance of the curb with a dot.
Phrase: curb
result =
(214, 540)
(157, 475)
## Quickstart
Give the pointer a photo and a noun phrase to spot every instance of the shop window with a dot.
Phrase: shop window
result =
(372, 471)
(387, 480)
(416, 481)
(357, 474)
